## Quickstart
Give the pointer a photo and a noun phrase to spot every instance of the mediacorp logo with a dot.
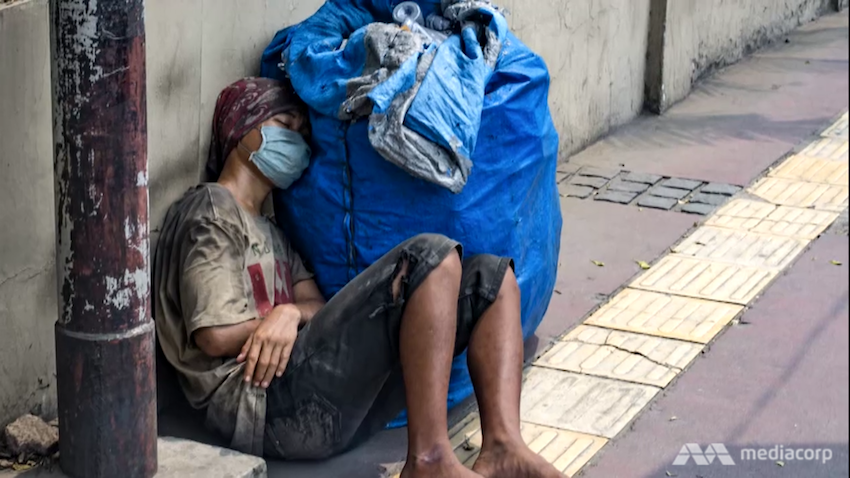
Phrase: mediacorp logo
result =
(715, 451)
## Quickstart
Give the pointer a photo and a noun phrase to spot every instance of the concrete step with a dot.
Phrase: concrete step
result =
(179, 458)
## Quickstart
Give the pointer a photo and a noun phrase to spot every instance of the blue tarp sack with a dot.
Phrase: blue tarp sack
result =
(352, 205)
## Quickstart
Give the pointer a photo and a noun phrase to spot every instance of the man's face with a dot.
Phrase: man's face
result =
(294, 121)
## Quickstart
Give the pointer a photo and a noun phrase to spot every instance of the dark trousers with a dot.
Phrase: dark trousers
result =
(343, 382)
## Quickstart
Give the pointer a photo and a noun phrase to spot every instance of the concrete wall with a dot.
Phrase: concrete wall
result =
(595, 50)
(27, 275)
(195, 48)
(701, 35)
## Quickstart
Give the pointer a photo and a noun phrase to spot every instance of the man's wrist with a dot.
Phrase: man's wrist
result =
(292, 312)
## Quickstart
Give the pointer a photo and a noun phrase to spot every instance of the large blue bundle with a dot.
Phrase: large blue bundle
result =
(352, 206)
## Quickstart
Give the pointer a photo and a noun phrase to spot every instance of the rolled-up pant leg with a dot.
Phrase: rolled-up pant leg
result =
(344, 382)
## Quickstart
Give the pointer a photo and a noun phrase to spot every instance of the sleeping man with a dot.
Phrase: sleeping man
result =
(281, 373)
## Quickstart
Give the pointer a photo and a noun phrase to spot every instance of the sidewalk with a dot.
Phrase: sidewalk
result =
(780, 377)
(637, 185)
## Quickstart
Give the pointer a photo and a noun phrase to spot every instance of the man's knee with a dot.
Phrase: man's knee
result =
(432, 254)
(450, 268)
(434, 284)
(509, 289)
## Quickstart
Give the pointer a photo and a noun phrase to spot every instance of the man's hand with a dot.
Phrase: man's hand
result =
(267, 350)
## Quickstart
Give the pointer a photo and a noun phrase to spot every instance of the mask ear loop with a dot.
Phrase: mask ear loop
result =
(241, 146)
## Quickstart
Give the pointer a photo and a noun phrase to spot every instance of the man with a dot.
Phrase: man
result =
(283, 374)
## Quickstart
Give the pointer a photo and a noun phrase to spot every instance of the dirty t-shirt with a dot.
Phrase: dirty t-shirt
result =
(217, 265)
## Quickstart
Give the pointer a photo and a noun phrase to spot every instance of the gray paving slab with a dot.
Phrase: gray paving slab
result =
(657, 202)
(606, 173)
(571, 191)
(720, 188)
(701, 209)
(666, 192)
(710, 199)
(590, 181)
(679, 183)
(617, 197)
(643, 178)
(627, 186)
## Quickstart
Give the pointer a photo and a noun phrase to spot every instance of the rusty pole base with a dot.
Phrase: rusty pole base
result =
(106, 419)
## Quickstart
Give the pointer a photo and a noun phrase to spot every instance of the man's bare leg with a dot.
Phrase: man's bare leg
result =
(495, 364)
(428, 330)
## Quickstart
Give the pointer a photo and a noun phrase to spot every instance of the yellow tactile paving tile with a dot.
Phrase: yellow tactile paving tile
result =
(766, 218)
(813, 170)
(741, 247)
(827, 148)
(839, 129)
(621, 355)
(581, 403)
(664, 315)
(466, 439)
(705, 279)
(567, 451)
(786, 192)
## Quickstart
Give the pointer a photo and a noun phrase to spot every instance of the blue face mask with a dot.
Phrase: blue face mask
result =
(283, 156)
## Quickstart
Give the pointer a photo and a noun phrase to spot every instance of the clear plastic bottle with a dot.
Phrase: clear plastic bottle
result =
(408, 16)
(408, 11)
(430, 36)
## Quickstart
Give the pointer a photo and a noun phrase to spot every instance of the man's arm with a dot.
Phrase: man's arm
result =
(227, 341)
(308, 299)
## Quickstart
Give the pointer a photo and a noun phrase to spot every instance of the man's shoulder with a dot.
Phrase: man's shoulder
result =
(208, 202)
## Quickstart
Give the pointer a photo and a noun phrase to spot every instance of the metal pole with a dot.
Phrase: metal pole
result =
(104, 334)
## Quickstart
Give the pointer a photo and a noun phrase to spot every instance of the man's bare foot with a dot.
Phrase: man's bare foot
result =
(440, 464)
(513, 461)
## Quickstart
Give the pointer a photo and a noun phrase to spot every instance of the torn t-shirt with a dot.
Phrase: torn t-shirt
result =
(217, 265)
